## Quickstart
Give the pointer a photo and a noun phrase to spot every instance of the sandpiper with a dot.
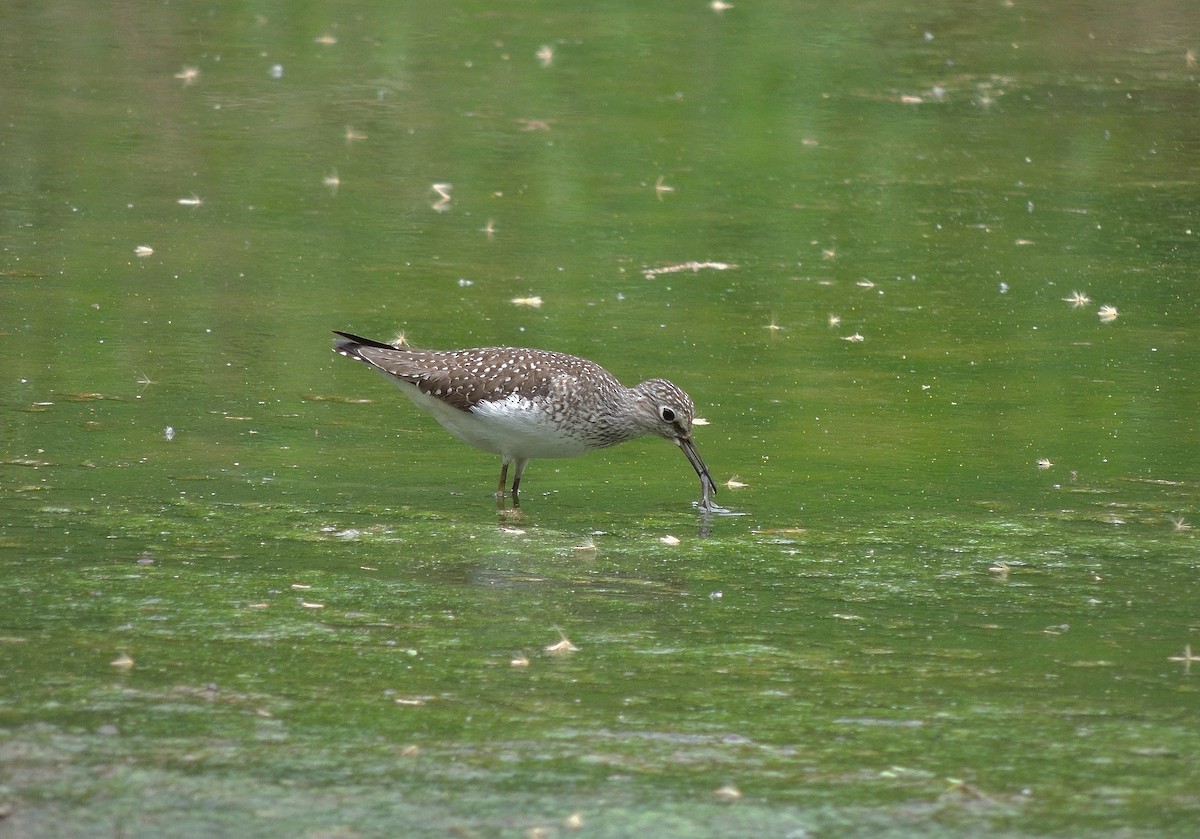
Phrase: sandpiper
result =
(523, 404)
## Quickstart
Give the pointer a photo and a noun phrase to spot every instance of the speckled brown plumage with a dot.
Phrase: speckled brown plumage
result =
(527, 403)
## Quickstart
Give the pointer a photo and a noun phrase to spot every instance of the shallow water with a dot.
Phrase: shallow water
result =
(957, 589)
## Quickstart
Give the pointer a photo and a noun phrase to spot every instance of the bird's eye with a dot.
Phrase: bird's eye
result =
(666, 413)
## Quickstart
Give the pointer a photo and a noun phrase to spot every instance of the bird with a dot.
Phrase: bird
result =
(524, 404)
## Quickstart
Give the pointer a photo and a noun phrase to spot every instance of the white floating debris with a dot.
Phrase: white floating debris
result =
(563, 646)
(727, 793)
(443, 193)
(650, 273)
(169, 433)
(143, 250)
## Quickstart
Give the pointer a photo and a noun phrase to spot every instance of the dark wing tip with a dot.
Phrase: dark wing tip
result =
(358, 340)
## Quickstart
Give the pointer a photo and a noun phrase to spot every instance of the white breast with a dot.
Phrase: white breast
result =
(513, 427)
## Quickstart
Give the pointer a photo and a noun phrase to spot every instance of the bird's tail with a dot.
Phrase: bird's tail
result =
(353, 341)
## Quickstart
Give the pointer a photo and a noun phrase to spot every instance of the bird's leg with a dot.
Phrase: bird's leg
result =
(520, 470)
(503, 478)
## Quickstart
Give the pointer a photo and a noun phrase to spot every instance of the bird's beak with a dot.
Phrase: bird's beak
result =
(707, 487)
